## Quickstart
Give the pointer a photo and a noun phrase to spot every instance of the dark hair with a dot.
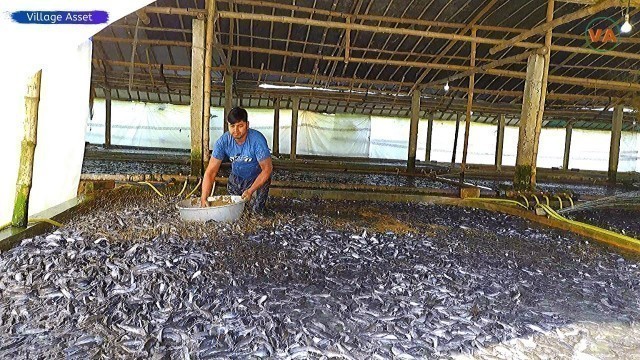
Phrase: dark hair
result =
(237, 114)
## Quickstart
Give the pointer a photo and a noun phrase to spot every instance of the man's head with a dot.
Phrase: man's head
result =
(238, 123)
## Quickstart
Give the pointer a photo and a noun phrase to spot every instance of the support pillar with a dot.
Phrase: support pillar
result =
(197, 94)
(467, 122)
(27, 150)
(294, 127)
(455, 140)
(530, 124)
(107, 123)
(208, 58)
(427, 155)
(228, 98)
(535, 92)
(413, 130)
(276, 127)
(567, 146)
(499, 143)
(614, 149)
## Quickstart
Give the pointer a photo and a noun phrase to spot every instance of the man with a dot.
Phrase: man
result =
(250, 158)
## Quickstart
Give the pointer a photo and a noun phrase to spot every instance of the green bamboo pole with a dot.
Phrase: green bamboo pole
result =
(28, 148)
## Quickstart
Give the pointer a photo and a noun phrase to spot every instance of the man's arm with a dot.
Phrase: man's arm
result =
(267, 168)
(208, 179)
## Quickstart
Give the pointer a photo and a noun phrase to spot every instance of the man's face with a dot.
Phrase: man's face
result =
(239, 130)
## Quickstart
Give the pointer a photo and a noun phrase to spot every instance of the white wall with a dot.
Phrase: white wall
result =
(62, 117)
(64, 54)
(152, 125)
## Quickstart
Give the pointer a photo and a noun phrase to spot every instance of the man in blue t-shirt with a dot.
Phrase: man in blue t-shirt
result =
(250, 158)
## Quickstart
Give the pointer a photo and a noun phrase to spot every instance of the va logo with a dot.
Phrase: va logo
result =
(601, 34)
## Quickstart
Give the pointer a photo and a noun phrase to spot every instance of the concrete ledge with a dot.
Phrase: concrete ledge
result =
(60, 213)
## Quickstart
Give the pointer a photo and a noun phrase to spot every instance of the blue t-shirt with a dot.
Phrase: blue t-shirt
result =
(244, 158)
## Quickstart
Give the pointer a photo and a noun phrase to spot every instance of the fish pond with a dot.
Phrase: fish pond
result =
(126, 278)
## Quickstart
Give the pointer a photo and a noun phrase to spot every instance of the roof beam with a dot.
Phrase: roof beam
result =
(517, 94)
(360, 27)
(420, 33)
(602, 5)
(444, 51)
(491, 65)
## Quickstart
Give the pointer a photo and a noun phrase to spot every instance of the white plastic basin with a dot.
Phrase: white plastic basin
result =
(190, 209)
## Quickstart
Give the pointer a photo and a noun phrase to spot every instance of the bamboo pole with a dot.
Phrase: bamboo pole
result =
(549, 25)
(28, 148)
(228, 98)
(294, 127)
(347, 42)
(351, 59)
(567, 146)
(142, 15)
(419, 33)
(467, 123)
(363, 17)
(427, 155)
(455, 140)
(553, 96)
(451, 44)
(499, 143)
(206, 118)
(199, 13)
(107, 125)
(592, 83)
(276, 126)
(485, 67)
(413, 130)
(361, 27)
(585, 82)
(570, 49)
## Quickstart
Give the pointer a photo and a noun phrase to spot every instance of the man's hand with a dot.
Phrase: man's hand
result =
(246, 195)
(204, 202)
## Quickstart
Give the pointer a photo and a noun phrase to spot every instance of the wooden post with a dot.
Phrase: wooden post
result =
(107, 123)
(228, 97)
(427, 155)
(567, 146)
(294, 127)
(532, 108)
(27, 151)
(455, 140)
(614, 149)
(467, 123)
(499, 143)
(208, 58)
(543, 94)
(413, 130)
(276, 127)
(197, 94)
